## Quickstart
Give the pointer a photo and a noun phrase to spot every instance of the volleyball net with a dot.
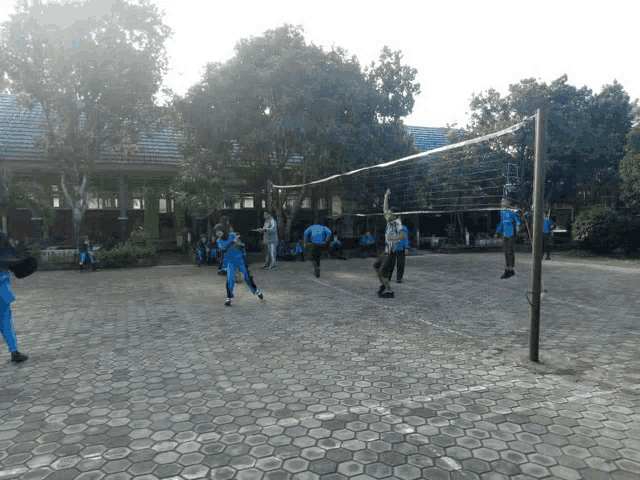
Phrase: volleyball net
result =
(470, 175)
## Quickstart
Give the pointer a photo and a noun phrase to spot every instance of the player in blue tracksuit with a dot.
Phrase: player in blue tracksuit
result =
(8, 256)
(507, 220)
(400, 256)
(316, 238)
(201, 250)
(85, 252)
(547, 235)
(232, 248)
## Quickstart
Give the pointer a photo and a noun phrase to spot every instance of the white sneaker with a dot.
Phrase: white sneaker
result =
(259, 294)
(228, 302)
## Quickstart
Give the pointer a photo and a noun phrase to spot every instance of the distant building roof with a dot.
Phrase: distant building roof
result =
(428, 138)
(20, 128)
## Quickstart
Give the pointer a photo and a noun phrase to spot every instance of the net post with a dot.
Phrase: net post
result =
(536, 244)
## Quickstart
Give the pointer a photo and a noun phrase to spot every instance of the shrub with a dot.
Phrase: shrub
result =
(603, 230)
(138, 247)
(35, 250)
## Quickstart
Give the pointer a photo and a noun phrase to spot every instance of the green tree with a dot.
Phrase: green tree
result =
(629, 171)
(93, 67)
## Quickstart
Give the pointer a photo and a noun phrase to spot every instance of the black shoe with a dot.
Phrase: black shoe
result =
(18, 357)
(399, 280)
(505, 274)
(387, 295)
(259, 294)
(227, 302)
(316, 272)
(381, 289)
(511, 274)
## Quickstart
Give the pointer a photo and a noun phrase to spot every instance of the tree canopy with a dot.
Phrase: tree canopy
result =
(94, 68)
(280, 98)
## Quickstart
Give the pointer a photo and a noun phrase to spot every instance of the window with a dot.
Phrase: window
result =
(162, 207)
(306, 203)
(264, 204)
(137, 204)
(236, 205)
(173, 205)
(115, 202)
(321, 203)
(93, 203)
(107, 202)
(248, 202)
(54, 188)
(56, 202)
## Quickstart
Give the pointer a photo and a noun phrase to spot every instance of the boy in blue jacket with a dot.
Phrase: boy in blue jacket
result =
(316, 238)
(507, 220)
(547, 235)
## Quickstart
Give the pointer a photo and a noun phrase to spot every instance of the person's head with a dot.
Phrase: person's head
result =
(367, 234)
(391, 215)
(505, 203)
(266, 215)
(203, 238)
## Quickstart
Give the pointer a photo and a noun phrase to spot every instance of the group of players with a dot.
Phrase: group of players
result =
(230, 253)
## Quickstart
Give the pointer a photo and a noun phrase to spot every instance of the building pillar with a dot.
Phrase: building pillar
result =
(178, 215)
(122, 203)
(151, 216)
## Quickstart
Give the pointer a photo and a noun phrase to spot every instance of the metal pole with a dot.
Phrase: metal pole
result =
(536, 244)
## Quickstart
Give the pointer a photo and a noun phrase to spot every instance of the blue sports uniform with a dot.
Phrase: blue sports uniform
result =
(507, 219)
(234, 259)
(85, 251)
(547, 238)
(316, 236)
(8, 256)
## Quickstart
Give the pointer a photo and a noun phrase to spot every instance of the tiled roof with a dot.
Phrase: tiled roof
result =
(20, 128)
(427, 138)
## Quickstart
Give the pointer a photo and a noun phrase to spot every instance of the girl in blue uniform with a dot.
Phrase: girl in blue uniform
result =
(8, 257)
(232, 248)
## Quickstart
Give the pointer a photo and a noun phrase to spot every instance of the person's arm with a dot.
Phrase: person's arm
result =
(386, 201)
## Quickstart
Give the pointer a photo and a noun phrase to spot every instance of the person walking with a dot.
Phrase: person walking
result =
(316, 238)
(548, 227)
(386, 260)
(234, 259)
(8, 256)
(507, 220)
(201, 250)
(270, 240)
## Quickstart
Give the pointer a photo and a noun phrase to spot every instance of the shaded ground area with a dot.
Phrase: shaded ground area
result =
(148, 375)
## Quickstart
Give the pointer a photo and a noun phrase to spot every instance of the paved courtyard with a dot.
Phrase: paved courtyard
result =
(145, 374)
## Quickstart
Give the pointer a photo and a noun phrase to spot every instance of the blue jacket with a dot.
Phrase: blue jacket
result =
(317, 234)
(335, 243)
(404, 243)
(507, 217)
(367, 240)
(548, 225)
(233, 253)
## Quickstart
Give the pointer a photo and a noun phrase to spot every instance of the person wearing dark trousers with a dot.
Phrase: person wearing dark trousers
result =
(316, 238)
(201, 250)
(8, 256)
(386, 261)
(547, 235)
(234, 259)
(211, 251)
(335, 248)
(510, 227)
(368, 245)
(400, 256)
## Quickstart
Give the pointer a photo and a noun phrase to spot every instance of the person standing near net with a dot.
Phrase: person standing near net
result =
(234, 258)
(270, 240)
(547, 235)
(402, 248)
(508, 218)
(316, 238)
(393, 235)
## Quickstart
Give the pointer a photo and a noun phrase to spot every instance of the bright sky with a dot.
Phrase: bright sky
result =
(459, 48)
